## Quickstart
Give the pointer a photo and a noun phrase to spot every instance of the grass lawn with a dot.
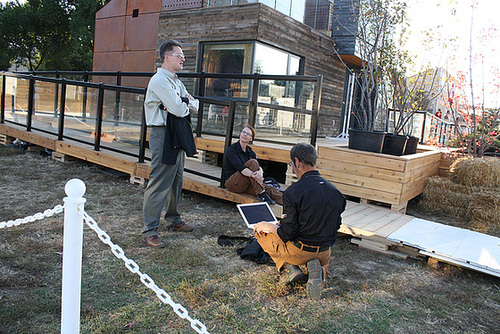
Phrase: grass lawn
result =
(366, 292)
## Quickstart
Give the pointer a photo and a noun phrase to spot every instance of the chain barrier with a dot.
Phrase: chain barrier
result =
(119, 253)
(145, 279)
(37, 216)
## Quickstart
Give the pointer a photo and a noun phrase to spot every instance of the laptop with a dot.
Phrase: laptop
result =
(254, 213)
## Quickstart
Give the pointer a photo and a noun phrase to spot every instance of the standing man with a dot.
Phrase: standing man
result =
(311, 218)
(167, 108)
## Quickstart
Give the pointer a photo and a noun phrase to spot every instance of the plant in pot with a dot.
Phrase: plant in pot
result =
(375, 30)
(409, 95)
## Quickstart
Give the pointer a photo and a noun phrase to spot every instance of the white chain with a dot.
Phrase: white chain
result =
(145, 279)
(37, 216)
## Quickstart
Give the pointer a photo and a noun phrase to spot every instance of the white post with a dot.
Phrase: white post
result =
(72, 256)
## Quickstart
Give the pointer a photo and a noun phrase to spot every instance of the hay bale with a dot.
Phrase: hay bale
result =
(476, 172)
(479, 205)
(484, 210)
(446, 197)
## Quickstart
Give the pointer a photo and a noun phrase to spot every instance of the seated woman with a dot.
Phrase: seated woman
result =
(243, 173)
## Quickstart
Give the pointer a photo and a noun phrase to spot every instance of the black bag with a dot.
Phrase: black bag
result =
(253, 252)
(271, 181)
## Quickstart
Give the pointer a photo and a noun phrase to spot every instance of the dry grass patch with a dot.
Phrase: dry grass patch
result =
(366, 292)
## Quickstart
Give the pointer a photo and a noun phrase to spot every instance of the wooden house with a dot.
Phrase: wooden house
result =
(223, 37)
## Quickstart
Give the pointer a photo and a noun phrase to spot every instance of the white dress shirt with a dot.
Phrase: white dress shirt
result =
(166, 88)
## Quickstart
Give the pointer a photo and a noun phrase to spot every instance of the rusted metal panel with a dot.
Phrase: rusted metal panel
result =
(141, 32)
(149, 6)
(109, 35)
(112, 8)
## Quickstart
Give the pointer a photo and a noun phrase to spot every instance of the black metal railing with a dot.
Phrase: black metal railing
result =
(429, 127)
(84, 116)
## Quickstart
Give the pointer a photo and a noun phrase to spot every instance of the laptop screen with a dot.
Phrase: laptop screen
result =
(256, 212)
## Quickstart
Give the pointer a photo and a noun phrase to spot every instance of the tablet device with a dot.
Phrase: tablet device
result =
(254, 213)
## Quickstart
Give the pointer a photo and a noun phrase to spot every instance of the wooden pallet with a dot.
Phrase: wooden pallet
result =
(34, 148)
(401, 208)
(290, 176)
(6, 140)
(387, 247)
(62, 157)
(138, 180)
(206, 157)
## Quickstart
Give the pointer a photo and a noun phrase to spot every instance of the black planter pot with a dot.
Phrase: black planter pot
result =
(369, 141)
(394, 144)
(411, 145)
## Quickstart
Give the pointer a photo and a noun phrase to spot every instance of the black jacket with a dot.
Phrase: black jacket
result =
(312, 209)
(179, 135)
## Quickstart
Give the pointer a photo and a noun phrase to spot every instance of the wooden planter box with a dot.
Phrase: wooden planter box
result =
(383, 178)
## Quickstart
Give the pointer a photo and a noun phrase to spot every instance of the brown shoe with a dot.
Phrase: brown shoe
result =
(182, 227)
(154, 241)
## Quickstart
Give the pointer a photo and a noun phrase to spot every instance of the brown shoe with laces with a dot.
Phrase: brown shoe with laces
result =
(181, 227)
(154, 241)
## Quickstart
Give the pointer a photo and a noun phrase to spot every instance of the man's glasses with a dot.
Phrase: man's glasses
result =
(179, 55)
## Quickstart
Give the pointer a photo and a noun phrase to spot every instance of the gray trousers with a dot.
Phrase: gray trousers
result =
(164, 186)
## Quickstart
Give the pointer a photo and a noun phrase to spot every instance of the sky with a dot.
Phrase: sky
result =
(448, 45)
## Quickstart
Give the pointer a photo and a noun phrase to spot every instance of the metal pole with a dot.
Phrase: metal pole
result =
(84, 102)
(315, 112)
(31, 102)
(423, 129)
(60, 132)
(253, 103)
(72, 256)
(229, 135)
(2, 107)
(56, 94)
(98, 125)
(201, 92)
(117, 98)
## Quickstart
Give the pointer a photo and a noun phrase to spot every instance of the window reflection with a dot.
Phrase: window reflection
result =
(237, 58)
(227, 58)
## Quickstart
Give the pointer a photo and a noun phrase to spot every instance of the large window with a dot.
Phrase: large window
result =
(244, 58)
(227, 58)
(255, 57)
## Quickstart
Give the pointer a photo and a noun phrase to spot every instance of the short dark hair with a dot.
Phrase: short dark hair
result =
(306, 154)
(168, 46)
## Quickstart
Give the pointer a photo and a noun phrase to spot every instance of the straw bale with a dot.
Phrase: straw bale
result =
(476, 172)
(446, 197)
(479, 205)
(485, 209)
(439, 184)
(446, 209)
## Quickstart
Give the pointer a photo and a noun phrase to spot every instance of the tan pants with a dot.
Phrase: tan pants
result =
(241, 184)
(282, 253)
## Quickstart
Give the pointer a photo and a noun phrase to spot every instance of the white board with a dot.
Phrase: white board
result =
(451, 244)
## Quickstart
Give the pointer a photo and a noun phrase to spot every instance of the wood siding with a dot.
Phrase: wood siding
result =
(245, 22)
(257, 22)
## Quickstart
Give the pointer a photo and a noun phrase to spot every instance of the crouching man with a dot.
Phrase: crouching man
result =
(311, 217)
